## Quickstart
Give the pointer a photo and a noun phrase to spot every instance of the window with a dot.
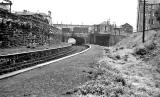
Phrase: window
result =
(151, 21)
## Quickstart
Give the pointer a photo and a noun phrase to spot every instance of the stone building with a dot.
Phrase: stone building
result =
(106, 27)
(6, 5)
(36, 15)
(47, 16)
(107, 34)
(127, 28)
(151, 21)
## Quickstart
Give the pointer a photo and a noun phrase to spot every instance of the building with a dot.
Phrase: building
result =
(127, 28)
(47, 16)
(107, 34)
(36, 15)
(96, 29)
(6, 5)
(117, 31)
(104, 27)
(151, 21)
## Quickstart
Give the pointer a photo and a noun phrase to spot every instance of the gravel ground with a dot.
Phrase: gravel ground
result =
(52, 80)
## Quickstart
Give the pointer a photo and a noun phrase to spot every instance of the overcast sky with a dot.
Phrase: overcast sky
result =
(83, 11)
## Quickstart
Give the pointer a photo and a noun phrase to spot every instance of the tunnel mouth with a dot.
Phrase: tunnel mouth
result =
(79, 40)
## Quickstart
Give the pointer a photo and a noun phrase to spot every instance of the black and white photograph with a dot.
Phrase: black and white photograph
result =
(79, 48)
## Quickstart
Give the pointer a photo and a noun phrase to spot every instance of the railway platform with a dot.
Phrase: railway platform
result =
(53, 79)
(18, 50)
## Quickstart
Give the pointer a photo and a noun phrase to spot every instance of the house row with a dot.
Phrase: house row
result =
(107, 28)
(36, 15)
(151, 6)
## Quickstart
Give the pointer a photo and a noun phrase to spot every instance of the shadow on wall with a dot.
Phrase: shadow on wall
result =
(107, 40)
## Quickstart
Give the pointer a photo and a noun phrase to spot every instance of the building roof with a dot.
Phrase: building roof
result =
(126, 24)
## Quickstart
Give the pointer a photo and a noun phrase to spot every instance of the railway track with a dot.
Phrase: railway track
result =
(26, 60)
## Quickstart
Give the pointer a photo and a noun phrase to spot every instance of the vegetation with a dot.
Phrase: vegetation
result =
(129, 69)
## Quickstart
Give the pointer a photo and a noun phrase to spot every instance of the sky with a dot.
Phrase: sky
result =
(83, 11)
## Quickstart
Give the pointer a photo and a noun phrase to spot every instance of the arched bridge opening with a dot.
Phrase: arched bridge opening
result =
(78, 40)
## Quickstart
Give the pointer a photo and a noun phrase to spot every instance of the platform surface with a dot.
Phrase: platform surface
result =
(53, 79)
(24, 49)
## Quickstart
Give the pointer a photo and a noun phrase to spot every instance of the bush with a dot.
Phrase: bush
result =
(118, 57)
(140, 51)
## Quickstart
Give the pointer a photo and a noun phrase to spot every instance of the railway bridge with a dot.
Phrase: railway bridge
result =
(71, 26)
(70, 30)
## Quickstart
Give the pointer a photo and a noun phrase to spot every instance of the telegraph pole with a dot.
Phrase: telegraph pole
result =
(144, 20)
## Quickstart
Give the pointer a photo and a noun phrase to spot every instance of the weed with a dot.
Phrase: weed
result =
(118, 57)
(121, 80)
(140, 51)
